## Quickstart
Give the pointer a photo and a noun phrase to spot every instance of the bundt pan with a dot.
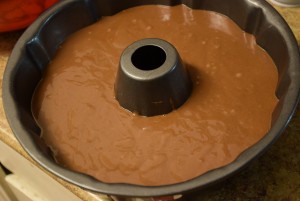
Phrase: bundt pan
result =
(37, 46)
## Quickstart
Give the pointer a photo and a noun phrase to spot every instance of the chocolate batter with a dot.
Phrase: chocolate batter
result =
(229, 110)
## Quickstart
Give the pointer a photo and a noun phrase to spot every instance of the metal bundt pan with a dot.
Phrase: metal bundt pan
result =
(38, 44)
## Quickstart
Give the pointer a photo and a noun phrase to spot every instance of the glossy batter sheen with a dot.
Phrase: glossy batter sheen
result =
(230, 108)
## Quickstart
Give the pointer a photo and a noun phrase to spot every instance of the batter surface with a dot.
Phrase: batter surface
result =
(230, 108)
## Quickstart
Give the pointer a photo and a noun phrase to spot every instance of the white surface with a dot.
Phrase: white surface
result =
(31, 182)
(3, 195)
(3, 186)
(22, 190)
(5, 192)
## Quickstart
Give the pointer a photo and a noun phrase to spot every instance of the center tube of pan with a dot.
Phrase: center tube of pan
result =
(151, 79)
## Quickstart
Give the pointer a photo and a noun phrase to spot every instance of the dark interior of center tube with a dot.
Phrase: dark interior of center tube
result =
(148, 57)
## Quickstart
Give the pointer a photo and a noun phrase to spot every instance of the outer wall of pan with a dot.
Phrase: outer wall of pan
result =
(38, 45)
